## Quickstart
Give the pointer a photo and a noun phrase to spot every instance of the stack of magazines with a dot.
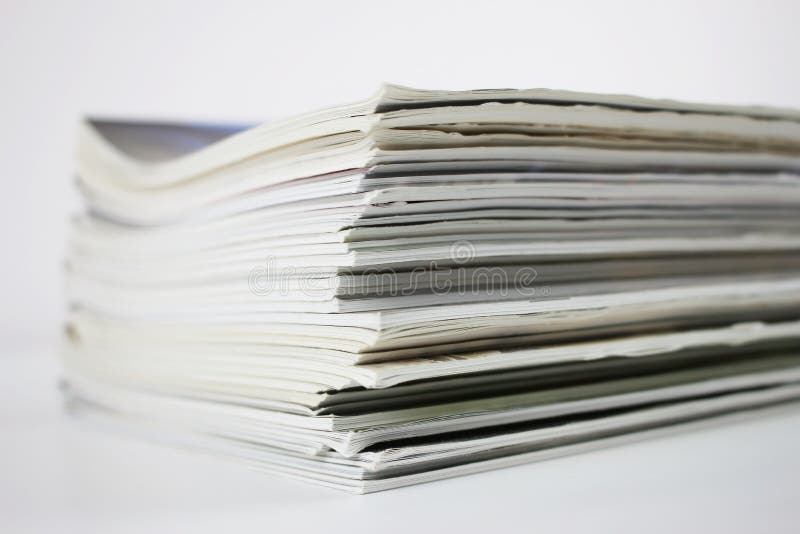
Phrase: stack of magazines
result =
(431, 283)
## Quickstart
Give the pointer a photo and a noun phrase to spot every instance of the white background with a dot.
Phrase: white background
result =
(260, 60)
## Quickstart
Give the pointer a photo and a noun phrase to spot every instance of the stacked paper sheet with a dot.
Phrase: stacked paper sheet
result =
(429, 283)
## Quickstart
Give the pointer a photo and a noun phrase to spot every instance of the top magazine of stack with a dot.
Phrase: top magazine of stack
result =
(589, 190)
(429, 283)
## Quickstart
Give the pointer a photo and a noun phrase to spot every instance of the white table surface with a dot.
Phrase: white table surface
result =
(61, 476)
